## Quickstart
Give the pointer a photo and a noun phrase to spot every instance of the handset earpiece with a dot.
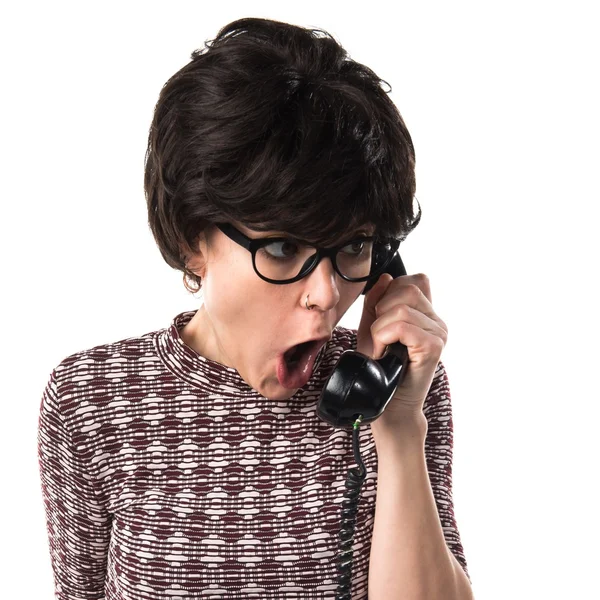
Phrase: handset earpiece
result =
(360, 385)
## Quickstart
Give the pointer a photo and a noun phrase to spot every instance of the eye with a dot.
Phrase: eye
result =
(280, 250)
(356, 246)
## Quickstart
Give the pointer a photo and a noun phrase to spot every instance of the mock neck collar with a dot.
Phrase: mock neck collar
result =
(194, 368)
(202, 372)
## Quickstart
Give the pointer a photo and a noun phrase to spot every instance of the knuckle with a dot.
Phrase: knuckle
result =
(415, 290)
(402, 310)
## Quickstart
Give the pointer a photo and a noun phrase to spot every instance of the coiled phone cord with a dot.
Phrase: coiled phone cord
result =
(354, 484)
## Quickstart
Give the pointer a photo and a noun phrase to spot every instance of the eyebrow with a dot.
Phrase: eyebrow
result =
(363, 229)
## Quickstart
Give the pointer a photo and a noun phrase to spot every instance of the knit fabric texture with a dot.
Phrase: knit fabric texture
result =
(166, 476)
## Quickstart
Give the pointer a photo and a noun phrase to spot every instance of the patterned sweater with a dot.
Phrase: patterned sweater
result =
(164, 475)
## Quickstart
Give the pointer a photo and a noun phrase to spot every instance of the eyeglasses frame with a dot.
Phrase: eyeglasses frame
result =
(253, 245)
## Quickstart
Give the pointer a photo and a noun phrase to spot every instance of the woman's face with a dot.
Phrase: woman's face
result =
(246, 322)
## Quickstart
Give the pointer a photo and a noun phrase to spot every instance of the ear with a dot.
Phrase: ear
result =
(194, 260)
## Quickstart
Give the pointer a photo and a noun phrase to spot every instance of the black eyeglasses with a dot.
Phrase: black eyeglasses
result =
(282, 260)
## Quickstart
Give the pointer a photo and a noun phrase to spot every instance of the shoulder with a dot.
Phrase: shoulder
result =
(127, 347)
(90, 377)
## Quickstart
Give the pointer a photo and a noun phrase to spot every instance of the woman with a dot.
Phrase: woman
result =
(190, 462)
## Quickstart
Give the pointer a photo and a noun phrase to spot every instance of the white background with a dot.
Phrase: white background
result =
(501, 100)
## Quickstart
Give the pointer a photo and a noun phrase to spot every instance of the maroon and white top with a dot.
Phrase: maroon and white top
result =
(166, 476)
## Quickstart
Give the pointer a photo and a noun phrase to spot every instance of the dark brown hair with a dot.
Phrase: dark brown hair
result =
(273, 126)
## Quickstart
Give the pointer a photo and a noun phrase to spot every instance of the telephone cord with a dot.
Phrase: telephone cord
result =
(354, 484)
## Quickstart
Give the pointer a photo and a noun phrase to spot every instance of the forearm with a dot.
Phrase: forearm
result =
(409, 557)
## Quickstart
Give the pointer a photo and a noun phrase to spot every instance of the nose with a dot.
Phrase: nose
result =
(323, 284)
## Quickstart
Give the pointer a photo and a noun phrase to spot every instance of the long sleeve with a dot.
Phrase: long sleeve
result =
(439, 444)
(78, 523)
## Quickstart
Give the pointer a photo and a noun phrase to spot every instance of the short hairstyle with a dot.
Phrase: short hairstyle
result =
(274, 126)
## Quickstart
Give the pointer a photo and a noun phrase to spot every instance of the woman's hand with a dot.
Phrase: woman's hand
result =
(399, 310)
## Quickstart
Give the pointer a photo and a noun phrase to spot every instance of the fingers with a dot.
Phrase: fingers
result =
(407, 294)
(408, 314)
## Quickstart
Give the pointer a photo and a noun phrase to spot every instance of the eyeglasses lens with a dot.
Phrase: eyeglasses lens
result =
(284, 260)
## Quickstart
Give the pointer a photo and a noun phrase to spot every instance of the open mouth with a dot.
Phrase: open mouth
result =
(295, 353)
(296, 365)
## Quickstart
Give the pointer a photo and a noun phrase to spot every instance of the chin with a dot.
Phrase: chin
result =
(285, 395)
(276, 392)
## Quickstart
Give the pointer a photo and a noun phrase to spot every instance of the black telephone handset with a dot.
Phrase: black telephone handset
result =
(357, 391)
(360, 385)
